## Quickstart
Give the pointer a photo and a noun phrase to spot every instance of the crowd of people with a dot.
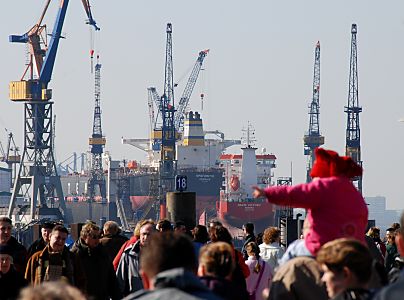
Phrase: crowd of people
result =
(338, 257)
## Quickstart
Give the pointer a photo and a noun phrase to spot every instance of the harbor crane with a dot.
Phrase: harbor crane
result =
(167, 167)
(38, 168)
(313, 138)
(353, 132)
(10, 155)
(97, 143)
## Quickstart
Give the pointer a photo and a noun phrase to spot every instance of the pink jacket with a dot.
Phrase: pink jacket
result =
(335, 209)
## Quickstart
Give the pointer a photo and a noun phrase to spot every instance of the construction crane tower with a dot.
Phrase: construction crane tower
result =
(168, 133)
(353, 137)
(38, 168)
(313, 138)
(97, 143)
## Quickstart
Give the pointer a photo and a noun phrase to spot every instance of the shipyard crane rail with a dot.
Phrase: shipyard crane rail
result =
(313, 138)
(38, 168)
(186, 95)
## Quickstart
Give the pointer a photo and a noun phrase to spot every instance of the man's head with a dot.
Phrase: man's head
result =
(179, 226)
(146, 229)
(46, 229)
(346, 263)
(178, 253)
(164, 225)
(6, 225)
(58, 238)
(111, 228)
(248, 228)
(6, 258)
(90, 234)
(213, 224)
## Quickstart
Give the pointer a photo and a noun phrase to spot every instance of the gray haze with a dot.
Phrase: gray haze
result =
(259, 69)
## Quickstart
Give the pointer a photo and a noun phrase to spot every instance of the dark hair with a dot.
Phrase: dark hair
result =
(395, 226)
(349, 253)
(165, 251)
(179, 224)
(6, 219)
(60, 228)
(48, 225)
(164, 225)
(221, 234)
(249, 227)
(200, 234)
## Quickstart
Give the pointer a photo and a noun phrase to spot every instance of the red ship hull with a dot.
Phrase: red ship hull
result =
(261, 214)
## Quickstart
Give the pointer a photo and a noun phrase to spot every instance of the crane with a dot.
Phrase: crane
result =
(353, 137)
(313, 138)
(10, 155)
(38, 168)
(183, 103)
(97, 143)
(168, 132)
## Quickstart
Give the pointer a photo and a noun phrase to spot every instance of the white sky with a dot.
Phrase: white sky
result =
(260, 69)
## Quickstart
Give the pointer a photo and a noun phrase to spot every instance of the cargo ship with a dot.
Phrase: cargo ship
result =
(242, 171)
(197, 157)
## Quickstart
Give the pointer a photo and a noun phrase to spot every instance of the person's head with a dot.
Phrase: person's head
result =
(390, 236)
(212, 224)
(90, 234)
(6, 225)
(271, 235)
(216, 259)
(179, 226)
(328, 163)
(374, 233)
(111, 228)
(400, 237)
(178, 252)
(6, 258)
(146, 227)
(200, 234)
(220, 234)
(346, 263)
(248, 228)
(57, 238)
(164, 225)
(52, 290)
(46, 229)
(395, 226)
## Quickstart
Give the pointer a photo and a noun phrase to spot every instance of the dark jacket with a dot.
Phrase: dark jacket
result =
(10, 284)
(394, 291)
(248, 239)
(112, 244)
(177, 284)
(354, 294)
(100, 279)
(36, 246)
(19, 255)
(225, 288)
(391, 254)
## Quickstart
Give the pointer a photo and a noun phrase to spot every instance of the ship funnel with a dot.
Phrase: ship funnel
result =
(193, 130)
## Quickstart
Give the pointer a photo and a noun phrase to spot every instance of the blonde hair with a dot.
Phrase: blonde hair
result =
(53, 290)
(111, 227)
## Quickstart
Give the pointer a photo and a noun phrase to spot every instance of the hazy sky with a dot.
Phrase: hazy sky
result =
(259, 69)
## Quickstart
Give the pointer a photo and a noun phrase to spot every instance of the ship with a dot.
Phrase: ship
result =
(197, 157)
(242, 171)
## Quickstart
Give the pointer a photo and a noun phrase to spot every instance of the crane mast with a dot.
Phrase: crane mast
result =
(313, 138)
(353, 139)
(168, 136)
(37, 169)
(97, 143)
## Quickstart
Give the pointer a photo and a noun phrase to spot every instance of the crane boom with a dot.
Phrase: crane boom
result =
(186, 95)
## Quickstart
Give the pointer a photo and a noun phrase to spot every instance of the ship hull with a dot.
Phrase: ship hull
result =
(261, 214)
